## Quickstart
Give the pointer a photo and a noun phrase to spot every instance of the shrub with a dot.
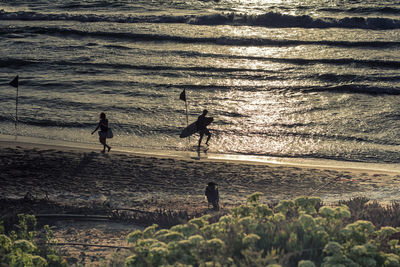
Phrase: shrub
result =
(300, 233)
(19, 248)
(134, 236)
(306, 263)
(23, 245)
(254, 198)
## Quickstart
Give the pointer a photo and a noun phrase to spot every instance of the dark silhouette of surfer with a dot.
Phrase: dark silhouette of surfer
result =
(202, 127)
(212, 195)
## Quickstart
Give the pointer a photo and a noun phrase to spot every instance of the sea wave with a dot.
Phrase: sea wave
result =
(341, 88)
(90, 5)
(340, 78)
(223, 40)
(290, 130)
(355, 88)
(366, 63)
(278, 20)
(47, 122)
(364, 10)
(270, 19)
(136, 129)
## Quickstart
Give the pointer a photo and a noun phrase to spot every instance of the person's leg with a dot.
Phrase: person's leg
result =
(208, 136)
(201, 138)
(103, 142)
(215, 205)
(105, 145)
(108, 147)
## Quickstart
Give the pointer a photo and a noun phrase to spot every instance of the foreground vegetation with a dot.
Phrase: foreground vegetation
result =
(24, 247)
(302, 232)
(292, 233)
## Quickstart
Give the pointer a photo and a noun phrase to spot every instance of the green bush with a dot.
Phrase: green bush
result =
(295, 233)
(18, 248)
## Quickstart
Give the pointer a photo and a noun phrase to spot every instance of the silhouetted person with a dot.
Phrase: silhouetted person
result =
(202, 127)
(103, 125)
(212, 195)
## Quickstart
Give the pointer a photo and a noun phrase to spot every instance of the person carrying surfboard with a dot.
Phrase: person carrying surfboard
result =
(201, 124)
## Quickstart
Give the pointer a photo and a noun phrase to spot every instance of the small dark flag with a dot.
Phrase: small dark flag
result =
(14, 83)
(182, 96)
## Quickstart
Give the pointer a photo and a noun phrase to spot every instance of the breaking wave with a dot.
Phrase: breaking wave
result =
(364, 10)
(270, 19)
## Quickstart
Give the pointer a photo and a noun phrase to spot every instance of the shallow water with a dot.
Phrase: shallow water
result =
(281, 78)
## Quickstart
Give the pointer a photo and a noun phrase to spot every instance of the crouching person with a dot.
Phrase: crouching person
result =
(212, 195)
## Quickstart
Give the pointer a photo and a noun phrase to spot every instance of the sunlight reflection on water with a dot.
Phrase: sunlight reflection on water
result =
(273, 89)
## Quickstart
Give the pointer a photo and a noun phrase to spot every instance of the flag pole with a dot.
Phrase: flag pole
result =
(187, 118)
(16, 112)
(182, 97)
(15, 83)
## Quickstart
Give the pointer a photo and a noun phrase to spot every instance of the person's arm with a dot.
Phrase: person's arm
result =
(98, 126)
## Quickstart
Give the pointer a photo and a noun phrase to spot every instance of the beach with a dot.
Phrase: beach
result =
(304, 94)
(82, 176)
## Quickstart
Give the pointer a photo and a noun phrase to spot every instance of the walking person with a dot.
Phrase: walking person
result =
(202, 127)
(103, 125)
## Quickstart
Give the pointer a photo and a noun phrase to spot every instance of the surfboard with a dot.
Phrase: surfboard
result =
(192, 128)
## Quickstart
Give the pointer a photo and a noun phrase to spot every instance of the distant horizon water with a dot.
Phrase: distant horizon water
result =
(285, 79)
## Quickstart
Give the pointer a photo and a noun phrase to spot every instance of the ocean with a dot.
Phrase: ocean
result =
(293, 79)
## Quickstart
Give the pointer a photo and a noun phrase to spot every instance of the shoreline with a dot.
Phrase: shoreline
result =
(388, 168)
